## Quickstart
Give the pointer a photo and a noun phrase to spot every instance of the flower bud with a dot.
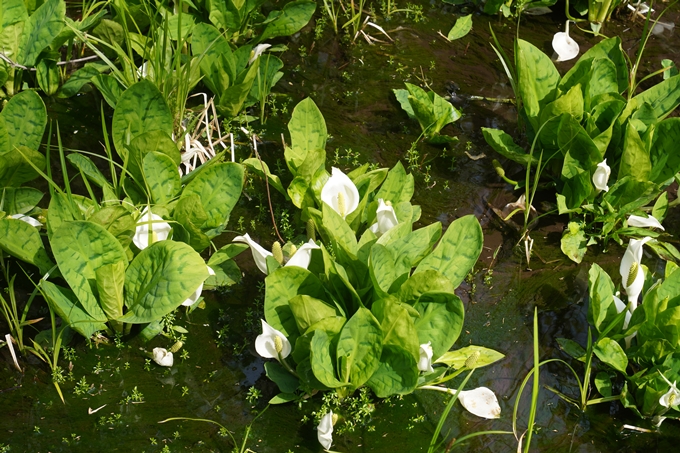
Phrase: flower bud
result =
(471, 361)
(277, 252)
(176, 347)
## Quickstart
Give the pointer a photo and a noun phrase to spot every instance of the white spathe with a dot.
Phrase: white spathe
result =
(196, 294)
(565, 47)
(425, 360)
(633, 255)
(162, 356)
(601, 176)
(620, 306)
(259, 253)
(150, 228)
(266, 343)
(340, 193)
(257, 51)
(481, 402)
(324, 431)
(671, 398)
(386, 218)
(24, 218)
(303, 256)
(644, 222)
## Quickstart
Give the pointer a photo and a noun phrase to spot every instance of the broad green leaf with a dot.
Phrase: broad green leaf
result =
(572, 348)
(118, 221)
(664, 97)
(190, 214)
(461, 28)
(293, 17)
(339, 232)
(283, 398)
(15, 168)
(60, 210)
(402, 98)
(398, 186)
(80, 248)
(109, 87)
(23, 241)
(422, 106)
(145, 143)
(397, 373)
(504, 145)
(635, 159)
(41, 28)
(383, 269)
(458, 250)
(322, 361)
(359, 348)
(232, 99)
(77, 80)
(85, 165)
(456, 359)
(607, 48)
(574, 242)
(159, 279)
(218, 65)
(570, 102)
(161, 177)
(423, 282)
(603, 80)
(611, 353)
(537, 80)
(267, 77)
(141, 108)
(415, 246)
(665, 161)
(286, 382)
(308, 311)
(110, 279)
(440, 322)
(256, 166)
(219, 188)
(332, 326)
(25, 118)
(19, 200)
(65, 304)
(281, 286)
(13, 11)
(601, 289)
(397, 325)
(48, 76)
(308, 133)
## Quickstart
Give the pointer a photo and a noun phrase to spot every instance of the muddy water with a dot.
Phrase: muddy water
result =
(352, 86)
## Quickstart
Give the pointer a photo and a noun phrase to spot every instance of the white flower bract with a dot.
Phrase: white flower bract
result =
(150, 228)
(257, 51)
(340, 193)
(303, 256)
(601, 176)
(162, 357)
(259, 253)
(24, 218)
(565, 47)
(481, 402)
(324, 431)
(386, 218)
(633, 256)
(266, 343)
(425, 360)
(196, 294)
(644, 222)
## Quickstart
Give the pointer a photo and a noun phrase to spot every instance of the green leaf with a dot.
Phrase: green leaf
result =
(293, 17)
(141, 108)
(397, 325)
(461, 28)
(574, 242)
(308, 310)
(340, 233)
(159, 279)
(77, 80)
(603, 383)
(402, 98)
(14, 168)
(232, 99)
(286, 382)
(664, 161)
(80, 248)
(20, 200)
(65, 304)
(456, 359)
(190, 214)
(267, 77)
(118, 221)
(635, 161)
(440, 322)
(572, 348)
(110, 279)
(397, 373)
(85, 165)
(383, 269)
(664, 97)
(283, 398)
(458, 250)
(423, 282)
(47, 75)
(25, 119)
(398, 186)
(608, 49)
(504, 145)
(601, 305)
(41, 28)
(219, 188)
(254, 165)
(359, 348)
(23, 241)
(321, 360)
(603, 80)
(537, 80)
(280, 287)
(611, 353)
(308, 133)
(109, 87)
(161, 176)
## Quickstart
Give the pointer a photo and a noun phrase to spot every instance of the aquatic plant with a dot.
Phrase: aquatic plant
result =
(578, 122)
(430, 110)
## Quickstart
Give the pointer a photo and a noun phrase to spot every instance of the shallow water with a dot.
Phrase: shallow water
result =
(352, 87)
